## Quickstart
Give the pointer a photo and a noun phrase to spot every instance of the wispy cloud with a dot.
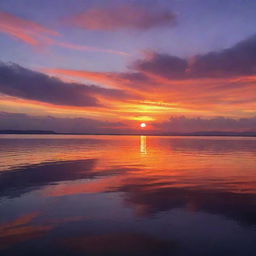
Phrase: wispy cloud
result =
(38, 35)
(122, 17)
(89, 48)
(28, 31)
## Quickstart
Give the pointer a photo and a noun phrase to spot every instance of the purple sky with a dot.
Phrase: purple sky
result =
(123, 62)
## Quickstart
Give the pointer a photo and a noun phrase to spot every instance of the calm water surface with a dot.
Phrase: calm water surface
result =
(127, 195)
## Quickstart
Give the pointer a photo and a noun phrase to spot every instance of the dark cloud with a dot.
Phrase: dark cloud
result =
(27, 84)
(235, 61)
(162, 65)
(185, 124)
(27, 122)
(123, 17)
(239, 60)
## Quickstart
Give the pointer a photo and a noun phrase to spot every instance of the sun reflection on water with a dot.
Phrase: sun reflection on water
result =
(143, 144)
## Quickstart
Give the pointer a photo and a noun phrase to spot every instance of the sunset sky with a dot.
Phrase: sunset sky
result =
(106, 66)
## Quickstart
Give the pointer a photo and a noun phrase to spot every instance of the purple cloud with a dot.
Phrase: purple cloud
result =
(16, 121)
(181, 124)
(185, 124)
(23, 83)
(122, 17)
(239, 60)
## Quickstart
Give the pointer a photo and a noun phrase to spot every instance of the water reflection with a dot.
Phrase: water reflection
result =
(20, 230)
(103, 196)
(14, 183)
(143, 144)
(126, 244)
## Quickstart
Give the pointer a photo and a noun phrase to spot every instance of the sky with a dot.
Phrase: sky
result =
(102, 66)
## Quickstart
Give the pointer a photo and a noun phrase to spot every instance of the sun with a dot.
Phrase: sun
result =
(143, 125)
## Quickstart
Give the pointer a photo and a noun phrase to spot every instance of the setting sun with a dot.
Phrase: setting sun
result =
(143, 125)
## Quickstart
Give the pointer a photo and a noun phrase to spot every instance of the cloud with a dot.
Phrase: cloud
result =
(185, 124)
(122, 17)
(158, 85)
(162, 65)
(10, 121)
(235, 61)
(28, 31)
(89, 48)
(239, 60)
(36, 34)
(126, 80)
(217, 83)
(15, 121)
(23, 83)
(174, 92)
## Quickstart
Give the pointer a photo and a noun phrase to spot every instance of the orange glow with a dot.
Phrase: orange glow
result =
(164, 97)
(161, 163)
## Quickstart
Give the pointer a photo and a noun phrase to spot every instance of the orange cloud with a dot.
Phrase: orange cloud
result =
(163, 95)
(28, 31)
(156, 87)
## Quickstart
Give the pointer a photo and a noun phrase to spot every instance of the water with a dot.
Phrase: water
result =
(127, 195)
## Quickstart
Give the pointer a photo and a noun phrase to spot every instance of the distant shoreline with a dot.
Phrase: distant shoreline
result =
(208, 134)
